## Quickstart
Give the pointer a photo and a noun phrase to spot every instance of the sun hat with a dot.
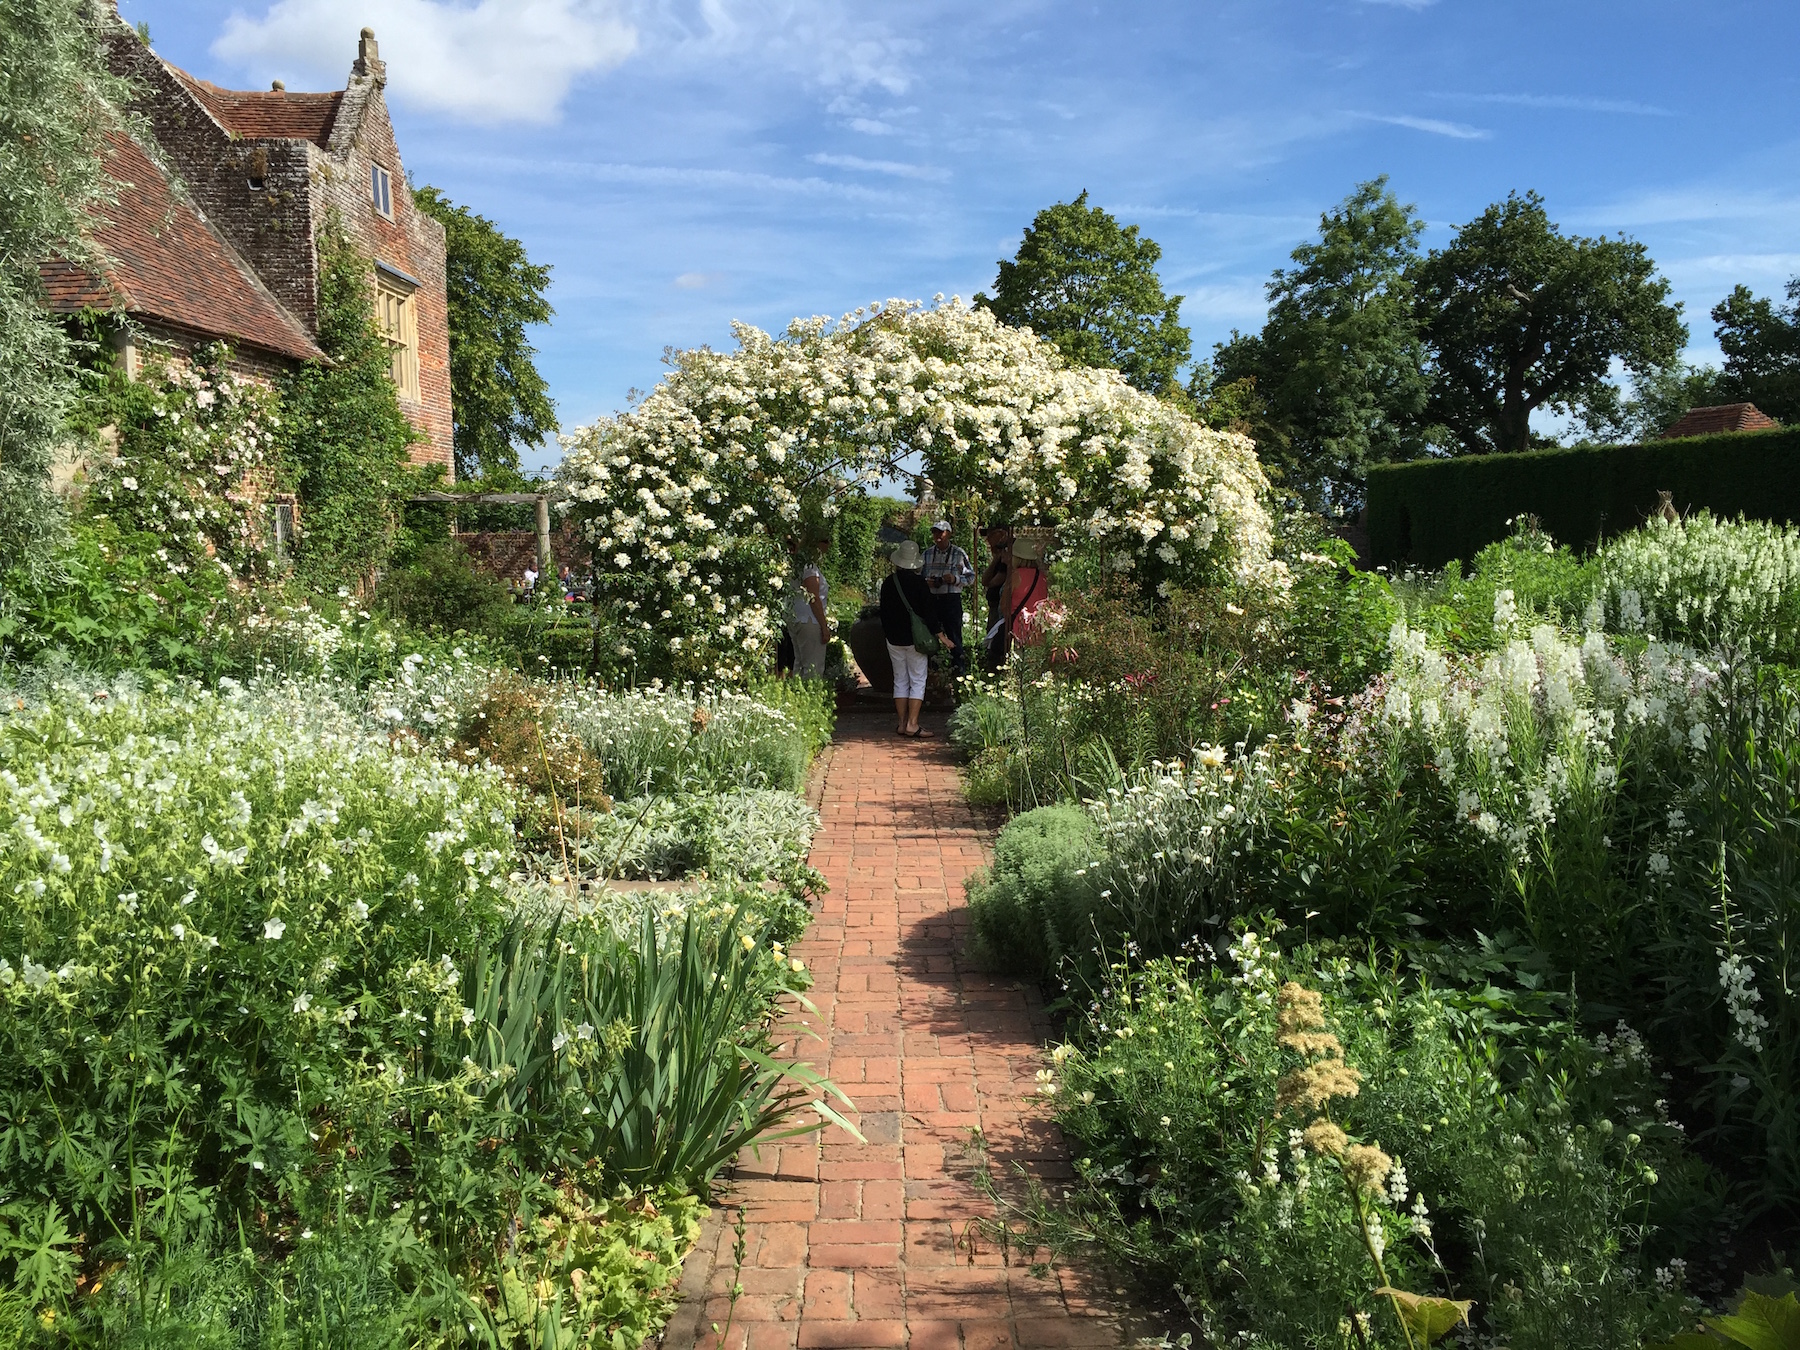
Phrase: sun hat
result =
(906, 557)
(943, 525)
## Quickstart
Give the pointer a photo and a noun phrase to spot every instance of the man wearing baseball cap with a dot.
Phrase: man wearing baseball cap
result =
(947, 570)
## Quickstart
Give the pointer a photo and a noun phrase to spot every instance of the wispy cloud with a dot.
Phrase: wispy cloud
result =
(1460, 131)
(870, 127)
(495, 61)
(1566, 102)
(1684, 205)
(888, 166)
(698, 281)
(1403, 4)
(666, 175)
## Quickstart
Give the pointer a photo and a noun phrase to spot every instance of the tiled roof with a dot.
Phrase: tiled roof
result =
(1723, 417)
(275, 114)
(167, 263)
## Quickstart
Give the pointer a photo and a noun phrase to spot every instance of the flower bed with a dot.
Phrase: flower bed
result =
(1454, 975)
(296, 1036)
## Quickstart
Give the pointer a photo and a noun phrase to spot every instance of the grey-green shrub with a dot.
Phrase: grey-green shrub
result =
(1032, 907)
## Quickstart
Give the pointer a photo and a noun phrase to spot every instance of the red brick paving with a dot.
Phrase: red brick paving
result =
(878, 1244)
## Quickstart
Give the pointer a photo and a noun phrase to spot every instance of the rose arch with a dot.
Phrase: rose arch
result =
(688, 499)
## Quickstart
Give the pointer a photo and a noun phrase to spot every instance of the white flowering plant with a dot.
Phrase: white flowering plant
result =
(1705, 582)
(193, 446)
(688, 496)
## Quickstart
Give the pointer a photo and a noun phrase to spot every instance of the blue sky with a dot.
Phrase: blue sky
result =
(687, 163)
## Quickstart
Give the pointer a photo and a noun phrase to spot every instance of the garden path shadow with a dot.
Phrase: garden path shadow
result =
(882, 1243)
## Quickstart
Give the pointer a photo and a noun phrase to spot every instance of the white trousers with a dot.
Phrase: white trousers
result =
(909, 671)
(809, 650)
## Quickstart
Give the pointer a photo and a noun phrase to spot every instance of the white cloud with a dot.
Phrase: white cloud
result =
(697, 281)
(1403, 4)
(1460, 131)
(887, 166)
(870, 127)
(827, 45)
(491, 61)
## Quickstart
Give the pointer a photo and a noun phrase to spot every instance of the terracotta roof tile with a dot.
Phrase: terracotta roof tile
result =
(1721, 418)
(167, 263)
(273, 114)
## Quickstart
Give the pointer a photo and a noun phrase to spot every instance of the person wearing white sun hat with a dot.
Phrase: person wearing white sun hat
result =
(907, 617)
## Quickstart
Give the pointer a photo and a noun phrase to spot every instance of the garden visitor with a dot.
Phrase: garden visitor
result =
(906, 609)
(528, 590)
(947, 571)
(808, 628)
(993, 582)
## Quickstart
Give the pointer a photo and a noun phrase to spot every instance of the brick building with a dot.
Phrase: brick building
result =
(235, 255)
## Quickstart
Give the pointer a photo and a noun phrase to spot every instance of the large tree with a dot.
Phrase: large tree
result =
(1518, 316)
(495, 290)
(1339, 366)
(1761, 342)
(58, 103)
(1090, 286)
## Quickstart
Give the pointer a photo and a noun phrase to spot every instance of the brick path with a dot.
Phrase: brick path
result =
(876, 1245)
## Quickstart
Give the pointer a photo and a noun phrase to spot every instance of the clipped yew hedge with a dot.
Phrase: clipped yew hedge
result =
(1428, 512)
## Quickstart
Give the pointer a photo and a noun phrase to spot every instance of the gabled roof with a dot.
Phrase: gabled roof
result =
(166, 263)
(275, 114)
(1720, 418)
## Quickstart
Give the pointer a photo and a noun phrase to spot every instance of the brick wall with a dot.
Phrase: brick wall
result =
(412, 242)
(273, 227)
(507, 553)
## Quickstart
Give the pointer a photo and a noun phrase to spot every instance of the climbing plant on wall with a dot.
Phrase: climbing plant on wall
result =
(687, 498)
(347, 437)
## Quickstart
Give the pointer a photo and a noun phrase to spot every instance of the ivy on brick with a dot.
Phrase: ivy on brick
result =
(347, 438)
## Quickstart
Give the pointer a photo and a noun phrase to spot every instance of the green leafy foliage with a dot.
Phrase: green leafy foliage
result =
(58, 103)
(290, 1054)
(441, 589)
(1519, 317)
(1091, 287)
(498, 398)
(1427, 513)
(346, 436)
(1761, 343)
(1339, 366)
(1217, 1145)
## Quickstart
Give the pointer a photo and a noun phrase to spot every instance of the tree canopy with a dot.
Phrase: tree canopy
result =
(495, 290)
(58, 103)
(1090, 286)
(1517, 317)
(1339, 367)
(1761, 342)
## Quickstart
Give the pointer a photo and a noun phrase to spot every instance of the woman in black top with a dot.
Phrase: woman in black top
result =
(903, 595)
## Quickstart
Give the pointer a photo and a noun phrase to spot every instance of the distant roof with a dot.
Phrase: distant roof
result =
(1722, 417)
(271, 114)
(167, 263)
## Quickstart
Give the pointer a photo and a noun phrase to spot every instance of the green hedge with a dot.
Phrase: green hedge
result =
(1429, 512)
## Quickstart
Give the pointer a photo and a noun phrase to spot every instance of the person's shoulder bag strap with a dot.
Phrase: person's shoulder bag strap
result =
(923, 638)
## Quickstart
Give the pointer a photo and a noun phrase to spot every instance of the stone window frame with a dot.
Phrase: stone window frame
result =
(397, 321)
(381, 190)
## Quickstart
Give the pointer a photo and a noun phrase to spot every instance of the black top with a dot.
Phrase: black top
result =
(896, 623)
